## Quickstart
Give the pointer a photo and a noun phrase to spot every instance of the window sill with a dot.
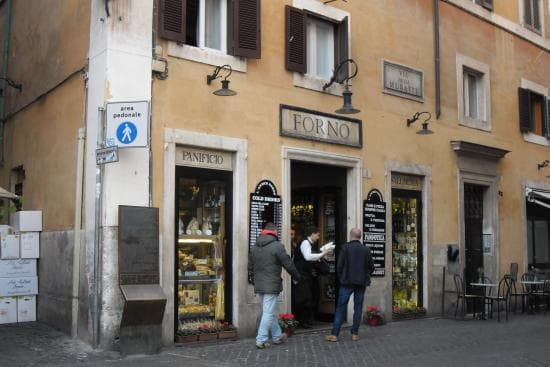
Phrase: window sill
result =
(206, 56)
(316, 84)
(536, 139)
(475, 124)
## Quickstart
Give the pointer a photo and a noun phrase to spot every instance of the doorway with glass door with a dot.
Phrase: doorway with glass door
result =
(473, 238)
(407, 256)
(318, 200)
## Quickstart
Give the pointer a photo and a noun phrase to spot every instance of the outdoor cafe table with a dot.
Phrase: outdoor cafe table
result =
(532, 287)
(485, 286)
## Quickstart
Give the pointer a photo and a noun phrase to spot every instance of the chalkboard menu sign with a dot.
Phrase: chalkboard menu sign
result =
(374, 230)
(138, 245)
(265, 206)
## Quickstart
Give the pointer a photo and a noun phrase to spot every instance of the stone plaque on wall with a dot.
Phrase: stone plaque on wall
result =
(403, 81)
(301, 123)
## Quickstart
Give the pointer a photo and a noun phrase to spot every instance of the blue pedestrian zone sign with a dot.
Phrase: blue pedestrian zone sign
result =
(126, 132)
(127, 124)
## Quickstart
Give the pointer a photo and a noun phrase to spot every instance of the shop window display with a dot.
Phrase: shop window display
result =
(406, 259)
(200, 252)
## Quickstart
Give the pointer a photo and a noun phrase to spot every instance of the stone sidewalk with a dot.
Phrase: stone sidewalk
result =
(523, 341)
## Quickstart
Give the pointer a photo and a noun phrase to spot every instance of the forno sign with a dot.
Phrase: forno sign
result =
(312, 125)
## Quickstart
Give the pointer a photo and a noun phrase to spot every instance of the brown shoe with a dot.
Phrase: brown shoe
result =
(331, 338)
(355, 337)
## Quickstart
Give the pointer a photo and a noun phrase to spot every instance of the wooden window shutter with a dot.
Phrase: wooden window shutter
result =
(342, 48)
(244, 28)
(296, 40)
(524, 110)
(172, 20)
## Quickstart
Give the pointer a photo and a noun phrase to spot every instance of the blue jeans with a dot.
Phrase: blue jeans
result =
(270, 319)
(343, 299)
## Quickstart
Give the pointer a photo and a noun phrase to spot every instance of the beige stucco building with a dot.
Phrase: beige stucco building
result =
(478, 72)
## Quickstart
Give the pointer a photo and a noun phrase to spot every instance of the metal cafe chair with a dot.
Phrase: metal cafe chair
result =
(514, 289)
(502, 297)
(462, 297)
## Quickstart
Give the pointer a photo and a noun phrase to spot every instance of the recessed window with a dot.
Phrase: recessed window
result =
(315, 43)
(205, 20)
(533, 113)
(231, 27)
(320, 48)
(473, 93)
(531, 15)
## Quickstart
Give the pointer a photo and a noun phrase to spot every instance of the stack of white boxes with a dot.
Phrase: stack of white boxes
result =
(19, 251)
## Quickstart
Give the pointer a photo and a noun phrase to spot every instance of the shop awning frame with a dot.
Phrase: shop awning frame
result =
(539, 197)
(5, 194)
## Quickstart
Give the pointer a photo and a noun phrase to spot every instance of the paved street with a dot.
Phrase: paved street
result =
(523, 341)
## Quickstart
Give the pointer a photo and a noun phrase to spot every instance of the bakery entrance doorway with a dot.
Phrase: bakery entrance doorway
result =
(318, 203)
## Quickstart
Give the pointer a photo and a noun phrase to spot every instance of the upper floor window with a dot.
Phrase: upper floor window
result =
(474, 93)
(206, 24)
(531, 15)
(320, 48)
(534, 113)
(315, 43)
(231, 27)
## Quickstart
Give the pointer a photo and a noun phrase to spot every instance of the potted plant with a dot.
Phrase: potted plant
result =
(227, 331)
(288, 323)
(374, 316)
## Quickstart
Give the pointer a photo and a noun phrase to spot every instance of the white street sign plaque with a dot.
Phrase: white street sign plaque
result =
(127, 124)
(106, 155)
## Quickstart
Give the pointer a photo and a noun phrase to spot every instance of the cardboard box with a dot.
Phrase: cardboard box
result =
(17, 268)
(26, 308)
(29, 244)
(8, 310)
(9, 247)
(24, 286)
(27, 221)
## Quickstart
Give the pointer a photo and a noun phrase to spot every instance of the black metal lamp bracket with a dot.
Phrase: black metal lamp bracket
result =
(216, 74)
(337, 69)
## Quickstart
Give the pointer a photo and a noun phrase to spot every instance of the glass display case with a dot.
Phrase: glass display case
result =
(200, 251)
(406, 253)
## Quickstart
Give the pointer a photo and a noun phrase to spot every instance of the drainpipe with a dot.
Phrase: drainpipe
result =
(77, 228)
(5, 59)
(437, 61)
(96, 306)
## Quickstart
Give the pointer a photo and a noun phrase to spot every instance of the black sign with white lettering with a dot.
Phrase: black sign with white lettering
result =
(374, 230)
(265, 206)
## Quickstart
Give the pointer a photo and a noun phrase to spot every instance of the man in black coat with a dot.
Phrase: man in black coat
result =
(266, 260)
(354, 268)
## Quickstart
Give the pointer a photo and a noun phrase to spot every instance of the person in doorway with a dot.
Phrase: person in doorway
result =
(307, 263)
(354, 268)
(265, 262)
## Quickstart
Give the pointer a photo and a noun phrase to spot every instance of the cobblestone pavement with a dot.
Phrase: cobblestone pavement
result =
(523, 341)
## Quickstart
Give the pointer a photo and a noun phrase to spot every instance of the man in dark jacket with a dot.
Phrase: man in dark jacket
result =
(354, 268)
(266, 261)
